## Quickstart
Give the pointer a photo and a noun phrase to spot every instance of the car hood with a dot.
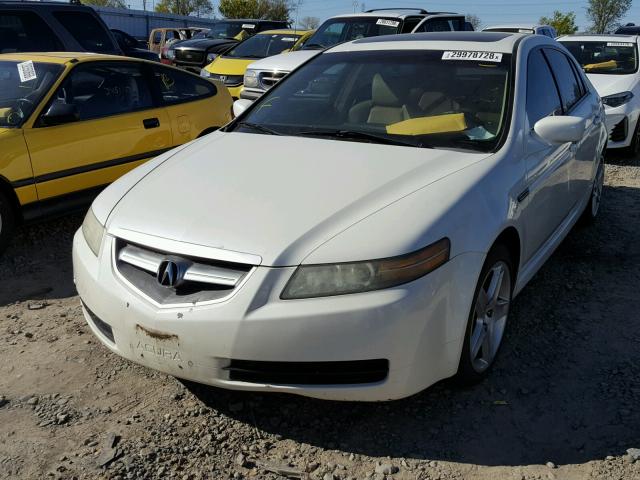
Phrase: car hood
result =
(610, 84)
(202, 43)
(276, 197)
(284, 61)
(228, 66)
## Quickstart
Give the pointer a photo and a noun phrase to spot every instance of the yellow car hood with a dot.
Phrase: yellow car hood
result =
(229, 66)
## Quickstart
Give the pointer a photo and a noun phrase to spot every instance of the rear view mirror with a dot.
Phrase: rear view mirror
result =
(560, 129)
(60, 113)
(239, 106)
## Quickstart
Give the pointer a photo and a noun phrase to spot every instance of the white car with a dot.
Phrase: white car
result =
(546, 30)
(360, 231)
(260, 76)
(611, 64)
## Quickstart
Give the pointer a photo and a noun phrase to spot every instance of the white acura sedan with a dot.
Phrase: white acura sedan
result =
(611, 64)
(360, 231)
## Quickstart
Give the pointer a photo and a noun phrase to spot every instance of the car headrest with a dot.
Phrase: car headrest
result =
(381, 94)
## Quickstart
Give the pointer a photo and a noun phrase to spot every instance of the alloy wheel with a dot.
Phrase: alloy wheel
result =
(490, 316)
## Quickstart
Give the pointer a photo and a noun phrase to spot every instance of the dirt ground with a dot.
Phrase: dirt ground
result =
(563, 400)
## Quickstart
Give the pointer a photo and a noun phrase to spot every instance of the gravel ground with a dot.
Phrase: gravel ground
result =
(562, 401)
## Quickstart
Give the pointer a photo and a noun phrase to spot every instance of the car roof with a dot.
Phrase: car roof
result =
(401, 14)
(475, 41)
(252, 20)
(599, 38)
(530, 26)
(284, 31)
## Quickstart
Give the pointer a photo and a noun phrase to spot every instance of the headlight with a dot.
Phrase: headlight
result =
(617, 99)
(205, 73)
(250, 78)
(343, 278)
(211, 57)
(171, 54)
(93, 231)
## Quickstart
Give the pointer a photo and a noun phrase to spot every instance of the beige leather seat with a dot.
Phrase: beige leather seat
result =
(384, 108)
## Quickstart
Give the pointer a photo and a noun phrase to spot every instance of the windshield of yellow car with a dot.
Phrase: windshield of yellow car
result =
(263, 45)
(23, 86)
(417, 98)
(615, 57)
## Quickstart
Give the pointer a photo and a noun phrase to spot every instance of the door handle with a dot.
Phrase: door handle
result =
(151, 123)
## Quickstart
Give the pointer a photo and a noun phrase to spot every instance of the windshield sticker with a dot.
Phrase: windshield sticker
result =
(469, 55)
(27, 71)
(388, 23)
(248, 25)
(288, 39)
(619, 44)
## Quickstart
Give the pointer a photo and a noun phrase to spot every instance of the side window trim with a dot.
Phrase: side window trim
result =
(555, 80)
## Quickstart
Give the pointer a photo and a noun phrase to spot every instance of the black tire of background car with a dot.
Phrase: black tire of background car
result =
(7, 223)
(634, 147)
(466, 374)
(588, 217)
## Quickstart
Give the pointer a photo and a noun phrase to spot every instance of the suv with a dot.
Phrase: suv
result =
(196, 54)
(53, 27)
(263, 74)
(523, 28)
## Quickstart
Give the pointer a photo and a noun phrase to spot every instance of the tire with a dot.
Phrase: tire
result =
(634, 147)
(7, 221)
(488, 317)
(593, 206)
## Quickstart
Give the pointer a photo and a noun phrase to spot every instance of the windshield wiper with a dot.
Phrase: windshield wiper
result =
(356, 135)
(257, 127)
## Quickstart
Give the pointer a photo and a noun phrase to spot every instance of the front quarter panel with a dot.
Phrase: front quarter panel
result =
(15, 165)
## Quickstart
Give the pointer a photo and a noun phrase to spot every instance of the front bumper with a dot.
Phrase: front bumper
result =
(416, 328)
(621, 123)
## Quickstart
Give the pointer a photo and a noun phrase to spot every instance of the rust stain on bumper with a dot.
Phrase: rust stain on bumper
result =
(158, 335)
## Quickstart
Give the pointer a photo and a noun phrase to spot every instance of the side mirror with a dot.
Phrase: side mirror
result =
(239, 106)
(560, 129)
(59, 113)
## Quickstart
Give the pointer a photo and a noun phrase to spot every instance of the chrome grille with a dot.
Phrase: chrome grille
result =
(269, 79)
(197, 279)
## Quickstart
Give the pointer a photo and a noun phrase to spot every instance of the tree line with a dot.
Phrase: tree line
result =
(604, 15)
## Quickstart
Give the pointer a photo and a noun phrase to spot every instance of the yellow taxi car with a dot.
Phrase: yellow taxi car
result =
(71, 123)
(229, 68)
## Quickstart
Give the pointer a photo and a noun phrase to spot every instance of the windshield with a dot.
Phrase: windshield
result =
(612, 58)
(261, 46)
(339, 30)
(415, 98)
(23, 86)
(230, 29)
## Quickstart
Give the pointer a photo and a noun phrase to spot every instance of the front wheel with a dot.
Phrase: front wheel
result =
(7, 221)
(488, 316)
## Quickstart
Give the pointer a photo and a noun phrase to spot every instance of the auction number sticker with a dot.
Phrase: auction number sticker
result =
(388, 23)
(27, 71)
(469, 55)
(619, 44)
(248, 25)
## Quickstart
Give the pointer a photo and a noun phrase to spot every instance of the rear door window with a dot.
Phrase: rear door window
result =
(175, 86)
(87, 31)
(435, 25)
(409, 24)
(26, 32)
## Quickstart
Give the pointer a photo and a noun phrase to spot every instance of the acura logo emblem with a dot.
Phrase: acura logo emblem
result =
(223, 78)
(168, 274)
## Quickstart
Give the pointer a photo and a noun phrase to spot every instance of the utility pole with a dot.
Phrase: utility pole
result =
(297, 14)
(355, 5)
